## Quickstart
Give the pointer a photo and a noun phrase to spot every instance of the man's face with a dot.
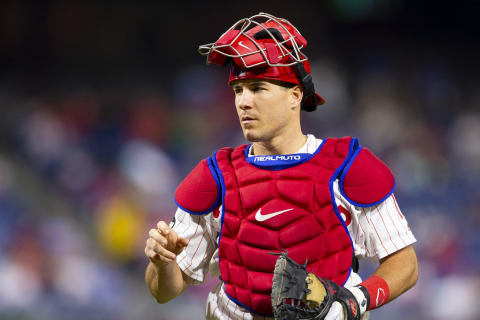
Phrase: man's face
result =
(264, 108)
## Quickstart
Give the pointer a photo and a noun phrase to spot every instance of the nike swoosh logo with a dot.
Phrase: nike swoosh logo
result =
(242, 45)
(380, 294)
(262, 217)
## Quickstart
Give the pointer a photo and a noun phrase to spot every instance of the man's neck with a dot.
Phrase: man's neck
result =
(286, 144)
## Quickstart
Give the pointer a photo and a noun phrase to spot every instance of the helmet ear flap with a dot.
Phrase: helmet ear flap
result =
(309, 99)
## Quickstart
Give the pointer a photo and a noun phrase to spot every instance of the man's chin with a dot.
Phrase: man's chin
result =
(251, 135)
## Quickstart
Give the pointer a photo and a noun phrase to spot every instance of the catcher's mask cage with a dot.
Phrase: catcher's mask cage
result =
(265, 47)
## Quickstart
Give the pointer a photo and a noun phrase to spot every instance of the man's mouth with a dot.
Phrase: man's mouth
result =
(246, 119)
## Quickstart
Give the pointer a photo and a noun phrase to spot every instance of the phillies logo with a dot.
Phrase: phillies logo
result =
(346, 216)
(216, 212)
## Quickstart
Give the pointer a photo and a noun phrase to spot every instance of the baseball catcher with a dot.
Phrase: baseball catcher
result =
(327, 202)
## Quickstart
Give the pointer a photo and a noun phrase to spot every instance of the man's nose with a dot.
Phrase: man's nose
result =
(245, 100)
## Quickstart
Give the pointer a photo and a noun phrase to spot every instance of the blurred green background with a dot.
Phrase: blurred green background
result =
(106, 106)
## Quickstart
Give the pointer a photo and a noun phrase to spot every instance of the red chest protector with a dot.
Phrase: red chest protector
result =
(275, 203)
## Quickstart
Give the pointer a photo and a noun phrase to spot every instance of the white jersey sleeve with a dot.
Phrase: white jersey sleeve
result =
(385, 229)
(376, 231)
(195, 258)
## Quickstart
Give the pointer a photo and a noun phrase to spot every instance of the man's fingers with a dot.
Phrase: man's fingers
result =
(168, 238)
(172, 239)
(155, 257)
(164, 252)
(159, 249)
(155, 235)
(163, 227)
(175, 242)
(152, 244)
(182, 241)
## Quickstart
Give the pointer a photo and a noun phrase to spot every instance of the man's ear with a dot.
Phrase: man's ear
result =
(296, 95)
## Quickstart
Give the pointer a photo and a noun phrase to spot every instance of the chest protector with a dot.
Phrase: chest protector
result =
(274, 203)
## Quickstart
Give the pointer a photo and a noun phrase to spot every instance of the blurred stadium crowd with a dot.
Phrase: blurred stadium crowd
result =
(87, 170)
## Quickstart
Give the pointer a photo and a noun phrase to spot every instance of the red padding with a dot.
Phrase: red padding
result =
(227, 37)
(368, 180)
(272, 53)
(198, 192)
(378, 290)
(219, 57)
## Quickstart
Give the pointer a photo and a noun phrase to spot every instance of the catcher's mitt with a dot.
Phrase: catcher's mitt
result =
(299, 294)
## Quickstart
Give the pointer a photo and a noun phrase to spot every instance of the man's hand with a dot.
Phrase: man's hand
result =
(163, 245)
(163, 276)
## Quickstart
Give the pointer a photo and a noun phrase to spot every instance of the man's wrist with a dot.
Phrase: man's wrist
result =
(361, 297)
(162, 268)
(166, 281)
(376, 290)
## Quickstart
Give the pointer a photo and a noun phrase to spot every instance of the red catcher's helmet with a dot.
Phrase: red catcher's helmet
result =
(265, 47)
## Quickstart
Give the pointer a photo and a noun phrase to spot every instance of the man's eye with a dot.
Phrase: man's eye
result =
(237, 91)
(257, 88)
